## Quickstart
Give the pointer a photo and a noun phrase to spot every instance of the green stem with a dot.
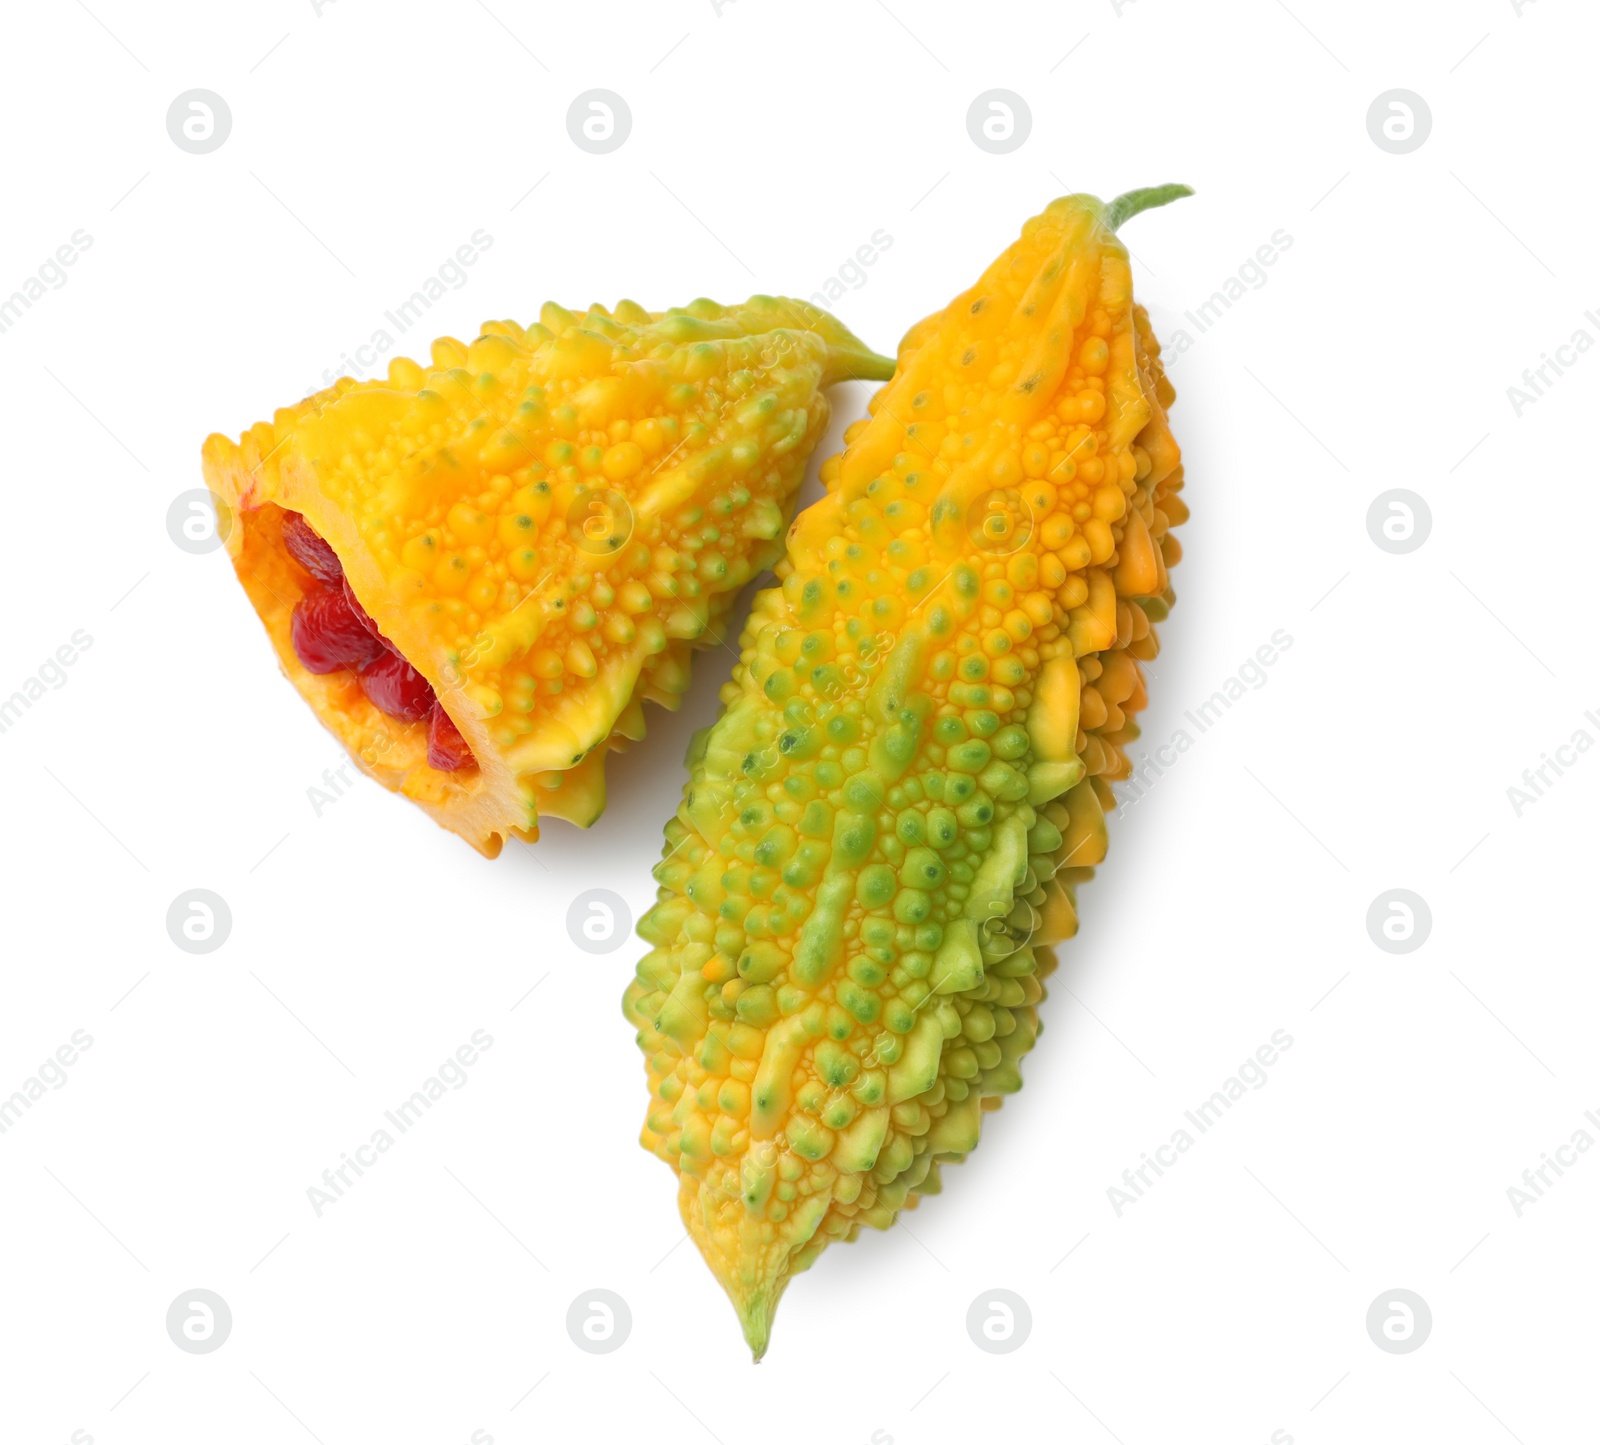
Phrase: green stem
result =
(1135, 201)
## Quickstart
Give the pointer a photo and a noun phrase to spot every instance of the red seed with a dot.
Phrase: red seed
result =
(327, 635)
(447, 749)
(361, 614)
(309, 550)
(395, 687)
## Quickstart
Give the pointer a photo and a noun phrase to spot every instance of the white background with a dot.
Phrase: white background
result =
(769, 142)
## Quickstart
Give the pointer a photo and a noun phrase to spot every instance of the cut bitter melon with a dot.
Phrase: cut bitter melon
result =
(477, 571)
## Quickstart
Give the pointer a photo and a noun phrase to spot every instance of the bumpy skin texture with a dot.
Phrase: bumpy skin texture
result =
(544, 523)
(884, 829)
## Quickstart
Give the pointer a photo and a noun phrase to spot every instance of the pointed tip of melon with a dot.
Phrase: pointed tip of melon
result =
(755, 1318)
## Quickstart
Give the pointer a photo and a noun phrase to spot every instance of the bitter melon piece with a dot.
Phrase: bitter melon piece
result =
(882, 833)
(477, 571)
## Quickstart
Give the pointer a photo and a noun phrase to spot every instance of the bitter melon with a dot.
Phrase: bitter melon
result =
(883, 830)
(477, 571)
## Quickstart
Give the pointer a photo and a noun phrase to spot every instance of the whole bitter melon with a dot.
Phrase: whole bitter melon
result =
(477, 571)
(884, 828)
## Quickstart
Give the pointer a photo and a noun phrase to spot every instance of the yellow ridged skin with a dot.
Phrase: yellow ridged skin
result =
(883, 831)
(544, 522)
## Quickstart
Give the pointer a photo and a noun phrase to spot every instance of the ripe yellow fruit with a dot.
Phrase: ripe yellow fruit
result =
(885, 827)
(543, 523)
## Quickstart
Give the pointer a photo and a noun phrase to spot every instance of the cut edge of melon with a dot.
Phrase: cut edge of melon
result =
(484, 805)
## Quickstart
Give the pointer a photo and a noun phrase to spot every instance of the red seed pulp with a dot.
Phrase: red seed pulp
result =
(395, 687)
(327, 635)
(447, 749)
(330, 629)
(309, 550)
